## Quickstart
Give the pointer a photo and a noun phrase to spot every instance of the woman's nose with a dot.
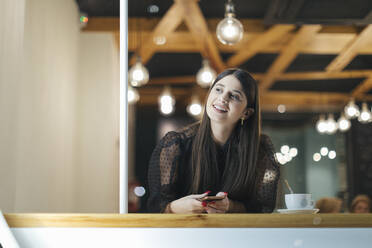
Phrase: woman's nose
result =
(224, 98)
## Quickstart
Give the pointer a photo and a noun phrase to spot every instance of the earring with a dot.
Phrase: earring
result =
(242, 121)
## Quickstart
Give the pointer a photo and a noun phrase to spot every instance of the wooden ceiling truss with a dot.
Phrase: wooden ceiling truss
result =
(186, 30)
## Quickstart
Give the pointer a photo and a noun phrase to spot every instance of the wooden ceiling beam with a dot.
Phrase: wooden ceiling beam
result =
(181, 41)
(290, 76)
(252, 47)
(289, 53)
(294, 100)
(351, 50)
(198, 27)
(363, 87)
(167, 24)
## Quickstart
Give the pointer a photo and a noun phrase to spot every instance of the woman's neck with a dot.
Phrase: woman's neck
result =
(220, 133)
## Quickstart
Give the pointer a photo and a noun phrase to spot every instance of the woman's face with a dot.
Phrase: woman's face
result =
(226, 103)
(361, 207)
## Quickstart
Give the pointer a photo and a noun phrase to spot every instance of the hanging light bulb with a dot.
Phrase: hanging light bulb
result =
(195, 107)
(133, 95)
(343, 123)
(205, 75)
(331, 125)
(229, 30)
(321, 125)
(351, 110)
(166, 102)
(365, 114)
(138, 74)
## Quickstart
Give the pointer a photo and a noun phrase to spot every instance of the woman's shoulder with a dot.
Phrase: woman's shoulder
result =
(180, 135)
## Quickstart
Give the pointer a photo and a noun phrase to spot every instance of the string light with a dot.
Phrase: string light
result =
(321, 125)
(331, 125)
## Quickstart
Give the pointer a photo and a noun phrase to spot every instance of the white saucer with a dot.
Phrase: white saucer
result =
(298, 211)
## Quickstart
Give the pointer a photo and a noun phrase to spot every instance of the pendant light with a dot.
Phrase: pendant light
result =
(331, 125)
(343, 123)
(133, 95)
(194, 108)
(229, 30)
(205, 75)
(138, 74)
(321, 125)
(365, 114)
(166, 102)
(351, 110)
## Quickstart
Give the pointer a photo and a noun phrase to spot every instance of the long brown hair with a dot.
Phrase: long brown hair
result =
(239, 175)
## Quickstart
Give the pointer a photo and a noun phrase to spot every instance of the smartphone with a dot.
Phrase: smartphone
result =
(212, 198)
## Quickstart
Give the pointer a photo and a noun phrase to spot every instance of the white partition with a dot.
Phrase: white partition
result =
(194, 237)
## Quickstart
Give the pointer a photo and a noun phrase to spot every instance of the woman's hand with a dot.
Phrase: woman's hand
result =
(190, 204)
(220, 206)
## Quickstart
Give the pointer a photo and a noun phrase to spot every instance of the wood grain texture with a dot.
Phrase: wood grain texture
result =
(191, 221)
(289, 53)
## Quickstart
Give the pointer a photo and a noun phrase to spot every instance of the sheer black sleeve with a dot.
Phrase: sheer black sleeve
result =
(162, 172)
(268, 175)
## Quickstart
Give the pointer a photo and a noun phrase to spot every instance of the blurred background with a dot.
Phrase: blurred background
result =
(59, 92)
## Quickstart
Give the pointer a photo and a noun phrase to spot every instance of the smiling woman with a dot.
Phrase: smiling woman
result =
(224, 155)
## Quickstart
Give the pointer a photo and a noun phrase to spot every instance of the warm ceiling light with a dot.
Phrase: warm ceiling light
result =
(316, 157)
(331, 125)
(343, 123)
(332, 154)
(281, 108)
(205, 75)
(284, 149)
(229, 30)
(195, 107)
(133, 95)
(160, 40)
(166, 102)
(293, 152)
(138, 75)
(365, 114)
(351, 110)
(324, 151)
(321, 125)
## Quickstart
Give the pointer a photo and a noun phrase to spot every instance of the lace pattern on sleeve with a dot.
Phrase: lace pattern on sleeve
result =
(162, 172)
(268, 176)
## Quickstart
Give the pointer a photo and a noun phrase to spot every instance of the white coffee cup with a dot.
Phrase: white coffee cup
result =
(299, 201)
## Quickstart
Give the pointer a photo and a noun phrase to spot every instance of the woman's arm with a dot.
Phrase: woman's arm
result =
(163, 178)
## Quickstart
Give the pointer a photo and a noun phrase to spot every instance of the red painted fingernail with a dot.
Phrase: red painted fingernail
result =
(207, 192)
(225, 193)
(204, 204)
(212, 202)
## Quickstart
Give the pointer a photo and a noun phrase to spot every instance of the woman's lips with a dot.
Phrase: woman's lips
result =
(219, 108)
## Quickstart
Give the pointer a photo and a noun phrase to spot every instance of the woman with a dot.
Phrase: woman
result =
(361, 204)
(224, 154)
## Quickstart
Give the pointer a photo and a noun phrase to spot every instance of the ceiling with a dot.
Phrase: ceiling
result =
(311, 56)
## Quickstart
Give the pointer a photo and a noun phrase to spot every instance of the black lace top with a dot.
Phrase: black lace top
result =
(170, 166)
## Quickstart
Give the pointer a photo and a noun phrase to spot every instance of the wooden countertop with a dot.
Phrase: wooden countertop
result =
(189, 220)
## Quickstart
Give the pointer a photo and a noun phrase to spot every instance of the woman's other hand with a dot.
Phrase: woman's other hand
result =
(220, 206)
(190, 204)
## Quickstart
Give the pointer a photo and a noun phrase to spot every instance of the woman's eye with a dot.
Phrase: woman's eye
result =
(218, 89)
(235, 97)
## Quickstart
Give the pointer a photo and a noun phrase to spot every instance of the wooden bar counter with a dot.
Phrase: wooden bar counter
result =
(189, 220)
